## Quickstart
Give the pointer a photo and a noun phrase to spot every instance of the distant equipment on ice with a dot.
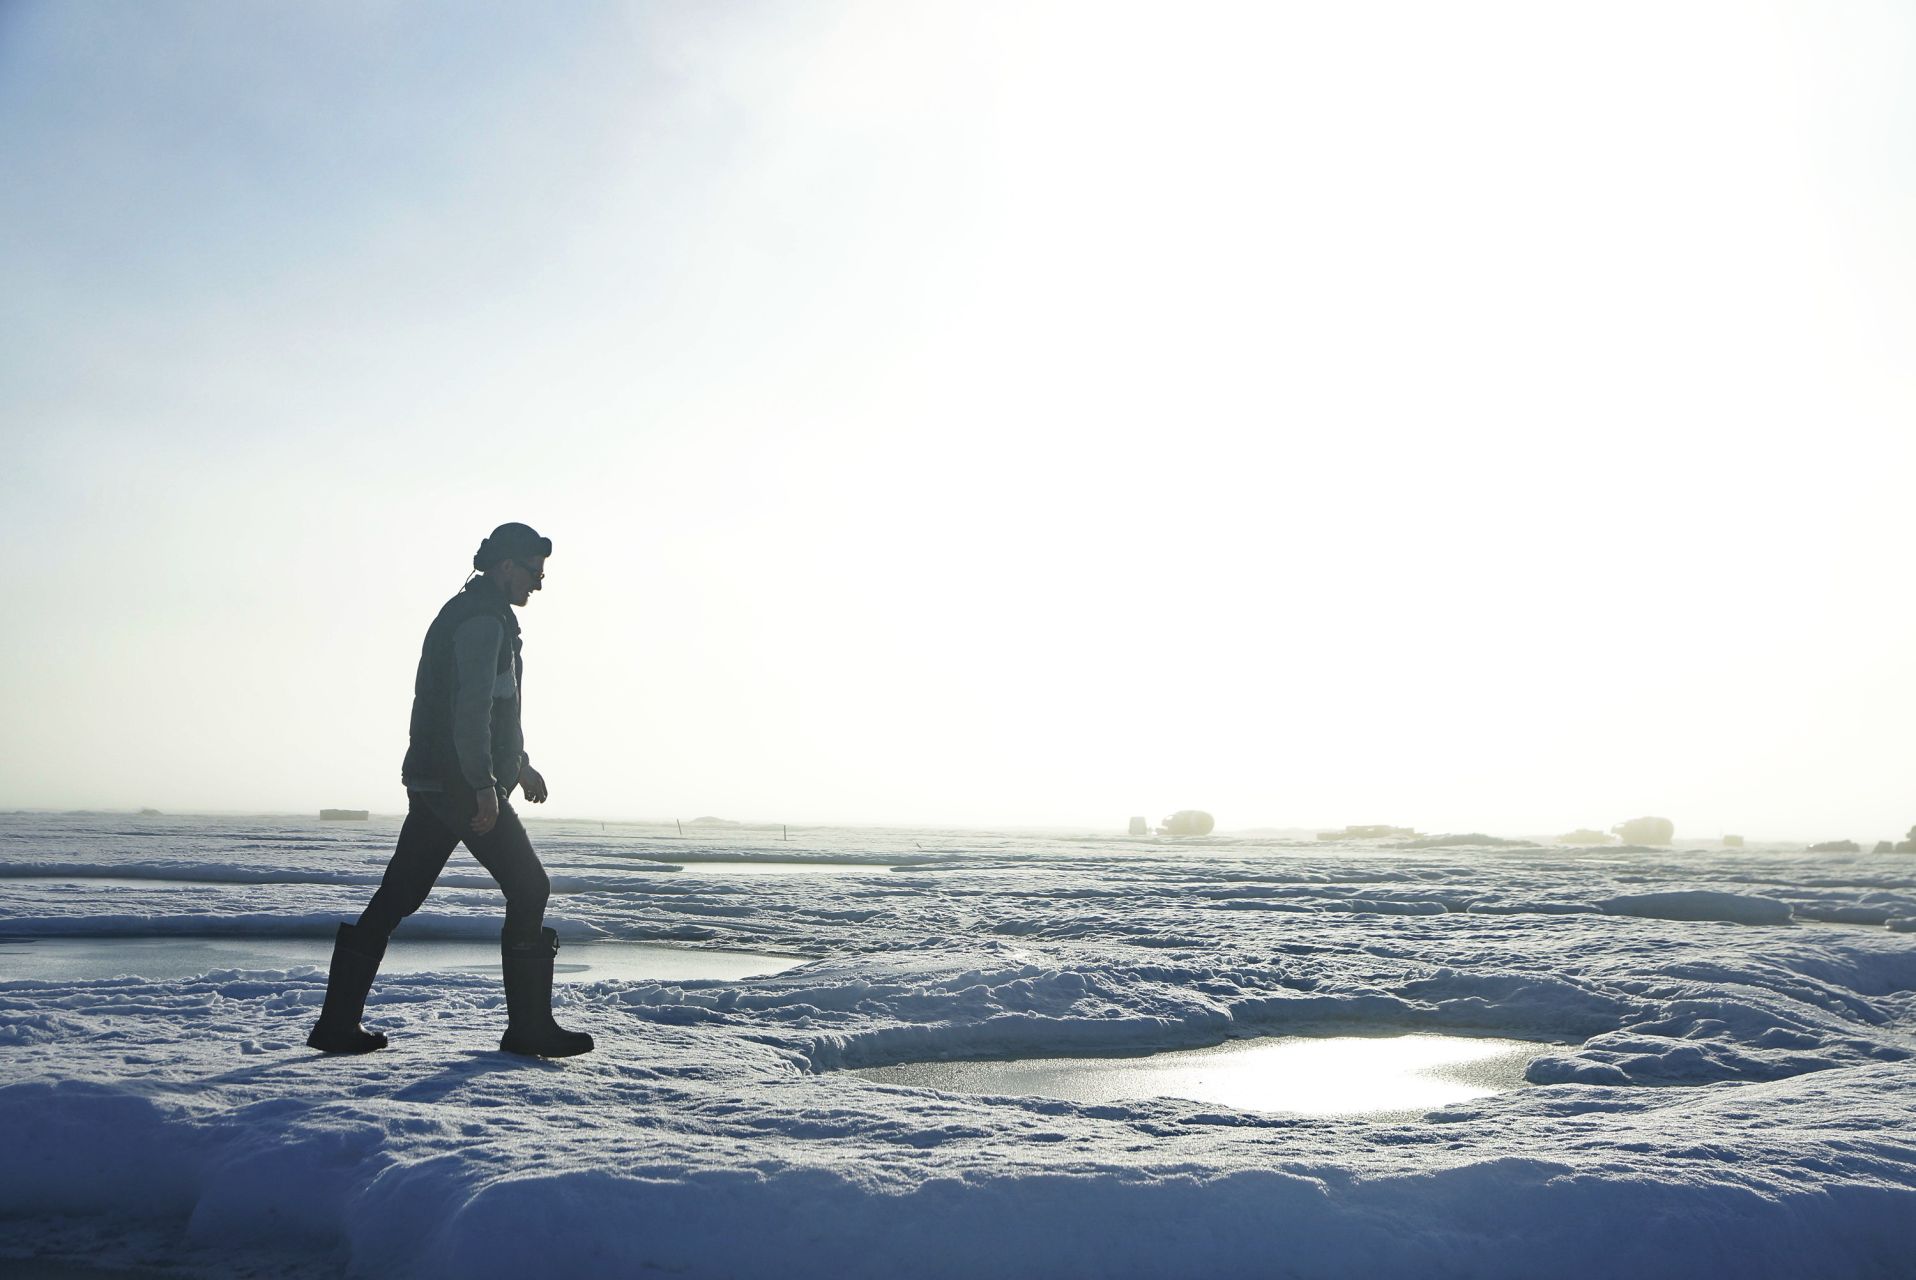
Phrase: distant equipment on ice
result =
(1187, 822)
(343, 815)
(1732, 842)
(1836, 846)
(1139, 827)
(1584, 835)
(1646, 831)
(1370, 833)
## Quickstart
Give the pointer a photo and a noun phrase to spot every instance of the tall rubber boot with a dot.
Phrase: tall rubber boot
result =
(356, 957)
(527, 962)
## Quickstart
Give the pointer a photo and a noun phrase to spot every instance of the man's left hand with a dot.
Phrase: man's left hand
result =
(533, 783)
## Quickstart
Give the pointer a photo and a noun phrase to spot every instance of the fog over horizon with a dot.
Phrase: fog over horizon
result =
(1492, 417)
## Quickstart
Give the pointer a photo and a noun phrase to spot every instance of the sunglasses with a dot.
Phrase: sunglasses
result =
(537, 575)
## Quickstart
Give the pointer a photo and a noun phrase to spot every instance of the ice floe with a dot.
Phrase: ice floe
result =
(1727, 1083)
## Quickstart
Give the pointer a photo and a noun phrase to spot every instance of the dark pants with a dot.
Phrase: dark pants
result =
(436, 823)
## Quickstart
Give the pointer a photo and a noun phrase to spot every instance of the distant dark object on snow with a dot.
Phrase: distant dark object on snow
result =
(1646, 831)
(1835, 846)
(1732, 842)
(1369, 833)
(1585, 835)
(149, 813)
(1187, 822)
(1700, 904)
(1473, 837)
(1884, 846)
(712, 822)
(343, 815)
(1908, 843)
(1140, 827)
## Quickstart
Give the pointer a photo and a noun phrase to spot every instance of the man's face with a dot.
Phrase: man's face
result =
(524, 575)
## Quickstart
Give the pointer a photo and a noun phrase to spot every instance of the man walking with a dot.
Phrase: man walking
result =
(466, 755)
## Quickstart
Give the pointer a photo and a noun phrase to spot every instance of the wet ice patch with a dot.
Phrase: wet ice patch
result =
(1700, 904)
(775, 867)
(1303, 1075)
(162, 959)
(44, 874)
(58, 883)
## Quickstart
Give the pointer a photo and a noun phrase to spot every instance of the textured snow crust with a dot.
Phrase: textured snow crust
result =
(1720, 1085)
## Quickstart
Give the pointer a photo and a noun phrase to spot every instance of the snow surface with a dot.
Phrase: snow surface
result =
(1724, 1077)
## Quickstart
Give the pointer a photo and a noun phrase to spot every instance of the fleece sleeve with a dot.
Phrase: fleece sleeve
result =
(475, 661)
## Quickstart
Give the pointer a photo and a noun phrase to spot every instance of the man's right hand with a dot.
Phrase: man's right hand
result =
(488, 814)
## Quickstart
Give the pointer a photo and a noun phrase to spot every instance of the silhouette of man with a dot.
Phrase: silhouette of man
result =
(466, 755)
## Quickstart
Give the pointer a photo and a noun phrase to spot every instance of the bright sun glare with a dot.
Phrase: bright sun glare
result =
(1482, 417)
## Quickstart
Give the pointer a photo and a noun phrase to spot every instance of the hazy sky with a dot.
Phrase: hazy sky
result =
(1476, 416)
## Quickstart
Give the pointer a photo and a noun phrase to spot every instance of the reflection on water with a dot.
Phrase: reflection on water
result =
(76, 959)
(1335, 1075)
(149, 882)
(743, 867)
